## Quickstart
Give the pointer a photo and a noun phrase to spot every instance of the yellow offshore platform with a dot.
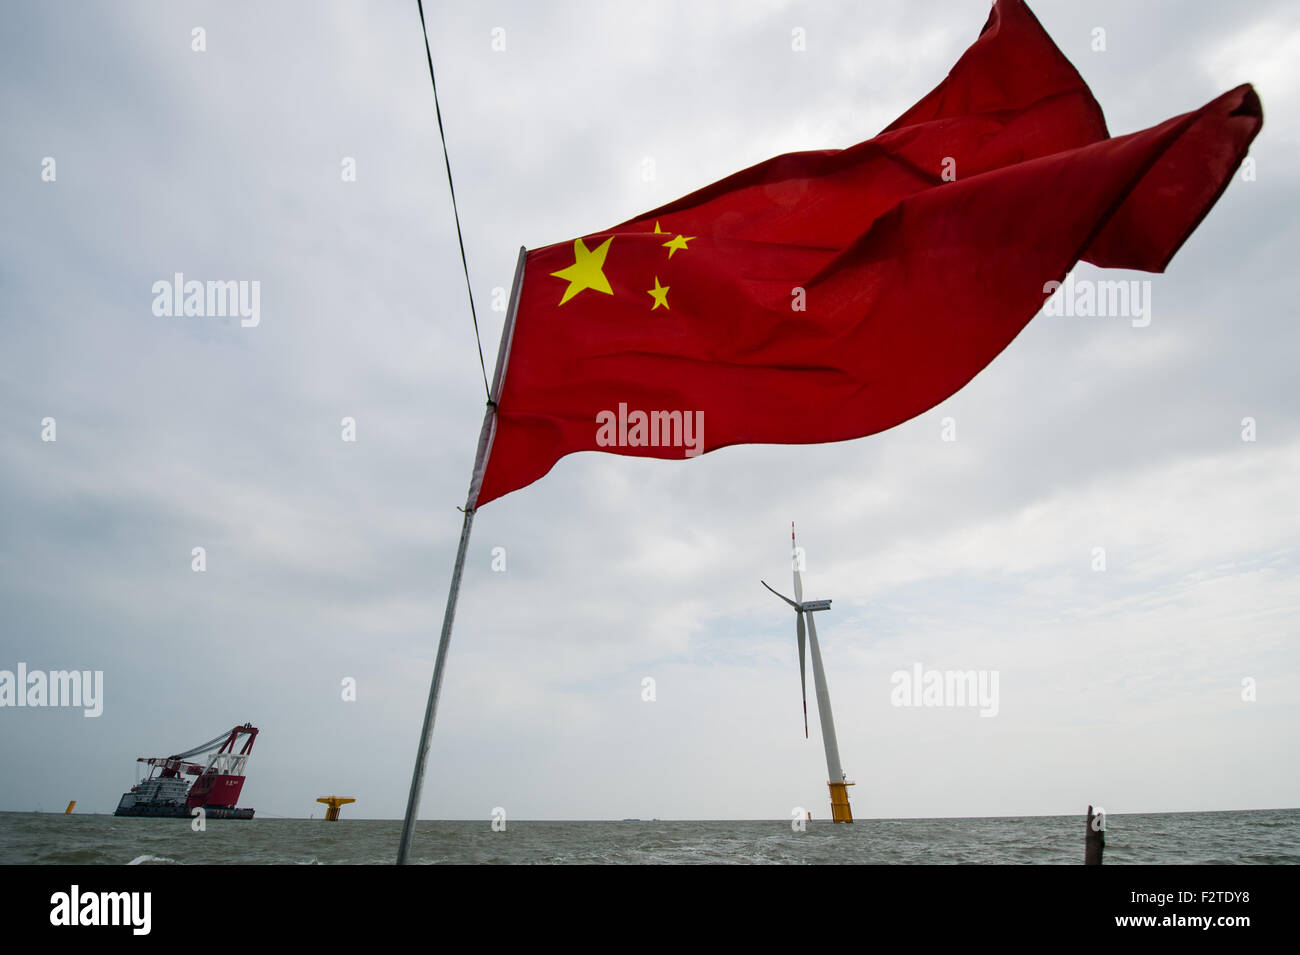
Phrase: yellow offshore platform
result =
(334, 803)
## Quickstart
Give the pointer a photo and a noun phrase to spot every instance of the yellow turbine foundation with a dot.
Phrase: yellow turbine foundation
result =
(68, 811)
(334, 803)
(840, 811)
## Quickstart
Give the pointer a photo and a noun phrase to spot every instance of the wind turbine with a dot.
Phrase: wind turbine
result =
(840, 811)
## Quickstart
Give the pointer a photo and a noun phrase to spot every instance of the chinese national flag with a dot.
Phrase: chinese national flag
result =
(828, 295)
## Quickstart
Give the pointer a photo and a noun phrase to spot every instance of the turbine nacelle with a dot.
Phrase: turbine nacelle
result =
(805, 606)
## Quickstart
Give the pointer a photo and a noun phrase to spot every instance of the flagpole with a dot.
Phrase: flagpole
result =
(485, 437)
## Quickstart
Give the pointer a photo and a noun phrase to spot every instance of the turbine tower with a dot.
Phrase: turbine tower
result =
(840, 811)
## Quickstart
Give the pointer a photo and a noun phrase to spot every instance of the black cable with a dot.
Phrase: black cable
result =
(455, 212)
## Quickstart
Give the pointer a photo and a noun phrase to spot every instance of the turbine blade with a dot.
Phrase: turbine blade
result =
(782, 596)
(803, 678)
(794, 559)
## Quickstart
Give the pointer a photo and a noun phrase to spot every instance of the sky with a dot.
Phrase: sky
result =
(1167, 681)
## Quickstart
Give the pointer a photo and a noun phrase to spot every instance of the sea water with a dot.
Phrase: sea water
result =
(1247, 837)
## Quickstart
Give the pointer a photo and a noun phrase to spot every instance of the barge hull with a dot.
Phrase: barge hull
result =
(185, 812)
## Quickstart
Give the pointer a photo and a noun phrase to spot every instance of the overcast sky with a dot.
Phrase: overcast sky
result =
(329, 559)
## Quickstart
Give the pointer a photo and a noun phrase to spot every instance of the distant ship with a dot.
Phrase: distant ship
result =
(165, 792)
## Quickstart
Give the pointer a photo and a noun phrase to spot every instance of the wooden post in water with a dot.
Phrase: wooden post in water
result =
(1094, 840)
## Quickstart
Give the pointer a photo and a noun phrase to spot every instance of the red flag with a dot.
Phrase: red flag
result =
(828, 295)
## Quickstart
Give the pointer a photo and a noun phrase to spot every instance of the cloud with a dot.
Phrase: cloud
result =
(329, 559)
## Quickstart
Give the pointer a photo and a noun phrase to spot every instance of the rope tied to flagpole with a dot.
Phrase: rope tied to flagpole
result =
(460, 237)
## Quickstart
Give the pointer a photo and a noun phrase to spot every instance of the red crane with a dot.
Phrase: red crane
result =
(217, 787)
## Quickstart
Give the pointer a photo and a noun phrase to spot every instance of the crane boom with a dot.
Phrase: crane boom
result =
(205, 748)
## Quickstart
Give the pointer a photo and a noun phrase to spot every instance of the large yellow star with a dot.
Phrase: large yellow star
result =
(676, 245)
(660, 294)
(585, 272)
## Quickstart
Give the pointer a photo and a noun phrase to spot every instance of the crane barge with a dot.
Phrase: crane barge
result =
(166, 792)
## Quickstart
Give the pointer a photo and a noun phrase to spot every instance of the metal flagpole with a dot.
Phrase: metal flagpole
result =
(485, 437)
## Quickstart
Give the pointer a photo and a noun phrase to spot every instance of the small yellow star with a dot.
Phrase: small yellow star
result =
(585, 272)
(675, 245)
(660, 294)
(658, 231)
